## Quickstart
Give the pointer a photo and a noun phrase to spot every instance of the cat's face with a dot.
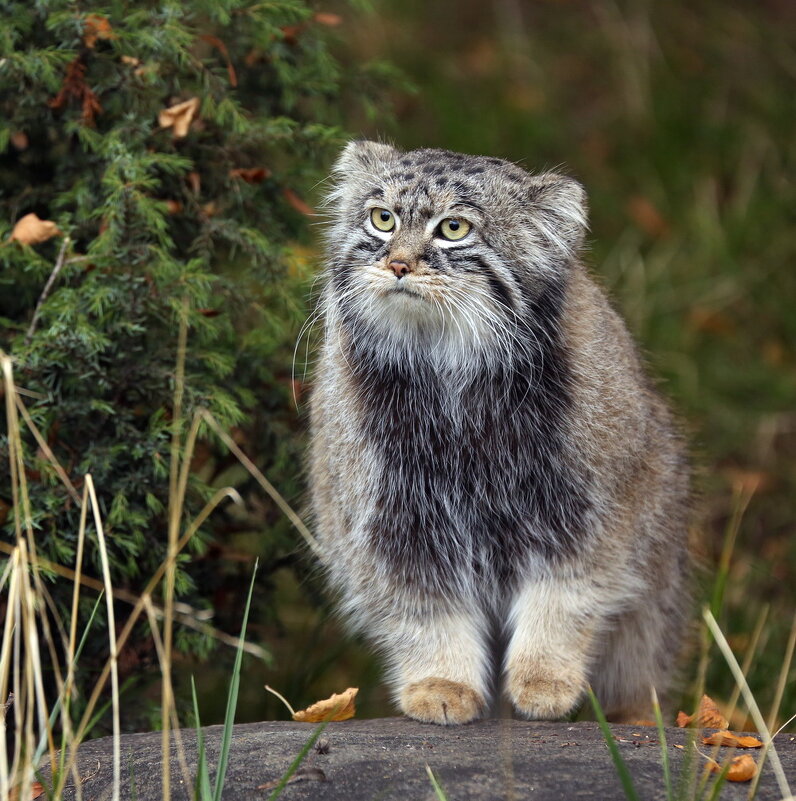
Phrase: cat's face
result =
(434, 249)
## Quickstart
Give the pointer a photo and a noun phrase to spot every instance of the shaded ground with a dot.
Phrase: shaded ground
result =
(386, 759)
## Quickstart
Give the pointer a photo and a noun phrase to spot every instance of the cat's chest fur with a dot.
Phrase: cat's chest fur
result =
(474, 475)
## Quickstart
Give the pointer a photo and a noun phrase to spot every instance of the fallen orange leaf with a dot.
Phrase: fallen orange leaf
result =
(179, 117)
(742, 768)
(732, 739)
(30, 230)
(36, 790)
(339, 706)
(708, 715)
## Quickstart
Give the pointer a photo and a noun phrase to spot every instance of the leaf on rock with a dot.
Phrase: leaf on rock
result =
(97, 27)
(731, 739)
(742, 768)
(339, 706)
(36, 789)
(30, 230)
(708, 716)
(179, 117)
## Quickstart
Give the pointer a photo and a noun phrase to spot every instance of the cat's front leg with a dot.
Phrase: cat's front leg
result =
(438, 664)
(552, 628)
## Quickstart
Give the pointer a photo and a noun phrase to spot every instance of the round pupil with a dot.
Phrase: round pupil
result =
(385, 216)
(454, 225)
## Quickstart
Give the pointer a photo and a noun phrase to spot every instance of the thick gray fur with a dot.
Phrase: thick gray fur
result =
(494, 479)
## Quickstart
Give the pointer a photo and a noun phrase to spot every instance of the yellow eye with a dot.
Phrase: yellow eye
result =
(454, 228)
(382, 219)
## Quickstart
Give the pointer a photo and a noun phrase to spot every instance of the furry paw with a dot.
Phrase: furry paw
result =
(544, 694)
(435, 700)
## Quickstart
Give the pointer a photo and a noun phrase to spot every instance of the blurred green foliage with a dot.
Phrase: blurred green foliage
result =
(156, 223)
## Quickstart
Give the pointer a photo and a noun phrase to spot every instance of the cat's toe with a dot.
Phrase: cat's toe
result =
(544, 695)
(437, 700)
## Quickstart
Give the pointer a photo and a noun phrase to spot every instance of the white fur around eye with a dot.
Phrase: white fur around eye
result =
(434, 229)
(375, 222)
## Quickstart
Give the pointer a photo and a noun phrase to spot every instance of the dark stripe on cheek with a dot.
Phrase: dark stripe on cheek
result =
(499, 289)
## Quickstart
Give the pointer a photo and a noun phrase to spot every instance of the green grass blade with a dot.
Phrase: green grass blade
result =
(720, 781)
(202, 791)
(440, 793)
(232, 697)
(667, 776)
(621, 767)
(687, 779)
(57, 706)
(742, 499)
(297, 761)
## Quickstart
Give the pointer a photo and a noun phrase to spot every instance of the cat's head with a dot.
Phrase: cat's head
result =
(434, 249)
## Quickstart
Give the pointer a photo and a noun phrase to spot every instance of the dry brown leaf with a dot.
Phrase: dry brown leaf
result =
(647, 217)
(297, 203)
(179, 117)
(19, 139)
(742, 768)
(131, 61)
(173, 206)
(732, 739)
(711, 321)
(339, 706)
(326, 18)
(219, 45)
(74, 87)
(708, 716)
(97, 27)
(252, 175)
(30, 230)
(36, 790)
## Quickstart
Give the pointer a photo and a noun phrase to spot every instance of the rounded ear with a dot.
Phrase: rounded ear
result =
(560, 211)
(364, 154)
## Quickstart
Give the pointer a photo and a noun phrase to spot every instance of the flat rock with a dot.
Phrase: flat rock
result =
(386, 759)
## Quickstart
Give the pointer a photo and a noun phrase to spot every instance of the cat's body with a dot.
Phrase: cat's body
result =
(495, 483)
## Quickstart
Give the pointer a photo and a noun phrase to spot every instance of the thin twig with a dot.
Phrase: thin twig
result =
(59, 264)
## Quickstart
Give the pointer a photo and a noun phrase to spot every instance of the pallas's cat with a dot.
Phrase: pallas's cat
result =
(498, 490)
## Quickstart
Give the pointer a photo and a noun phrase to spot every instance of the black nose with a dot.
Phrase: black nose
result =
(400, 268)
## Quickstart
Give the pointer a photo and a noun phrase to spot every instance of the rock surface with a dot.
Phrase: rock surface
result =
(386, 759)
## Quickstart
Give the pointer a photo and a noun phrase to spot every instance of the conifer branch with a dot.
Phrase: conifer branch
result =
(59, 265)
